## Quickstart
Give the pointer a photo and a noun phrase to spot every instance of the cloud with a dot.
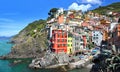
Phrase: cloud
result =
(75, 6)
(6, 20)
(99, 2)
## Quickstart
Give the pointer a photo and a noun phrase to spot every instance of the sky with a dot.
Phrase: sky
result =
(17, 14)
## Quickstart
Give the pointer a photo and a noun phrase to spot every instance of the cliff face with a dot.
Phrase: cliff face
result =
(31, 41)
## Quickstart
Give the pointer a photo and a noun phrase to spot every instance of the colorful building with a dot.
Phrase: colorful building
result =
(61, 19)
(118, 30)
(78, 43)
(97, 37)
(84, 41)
(105, 35)
(59, 41)
(116, 37)
(69, 45)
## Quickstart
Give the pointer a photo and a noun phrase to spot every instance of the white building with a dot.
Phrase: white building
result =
(112, 25)
(97, 37)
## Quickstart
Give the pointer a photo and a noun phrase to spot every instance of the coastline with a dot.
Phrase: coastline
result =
(81, 63)
(65, 67)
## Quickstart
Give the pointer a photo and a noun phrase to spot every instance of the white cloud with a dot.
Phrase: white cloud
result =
(75, 6)
(91, 1)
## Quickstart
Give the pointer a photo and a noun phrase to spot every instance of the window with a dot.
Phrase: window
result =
(62, 40)
(58, 45)
(62, 34)
(76, 38)
(68, 40)
(76, 48)
(52, 44)
(58, 40)
(81, 39)
(54, 36)
(77, 43)
(64, 45)
(81, 44)
(96, 37)
(58, 35)
(68, 45)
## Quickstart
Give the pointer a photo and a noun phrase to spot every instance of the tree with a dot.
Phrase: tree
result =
(52, 12)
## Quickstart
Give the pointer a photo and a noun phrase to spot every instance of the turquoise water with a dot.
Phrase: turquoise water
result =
(7, 66)
(4, 49)
(4, 46)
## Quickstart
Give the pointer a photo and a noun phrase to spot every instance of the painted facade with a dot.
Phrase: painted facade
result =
(69, 45)
(97, 37)
(78, 43)
(61, 19)
(85, 28)
(59, 41)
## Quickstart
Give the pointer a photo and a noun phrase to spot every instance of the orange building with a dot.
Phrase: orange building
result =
(59, 41)
(61, 19)
(118, 29)
(105, 35)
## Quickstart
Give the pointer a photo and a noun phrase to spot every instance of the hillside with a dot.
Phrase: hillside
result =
(115, 7)
(30, 41)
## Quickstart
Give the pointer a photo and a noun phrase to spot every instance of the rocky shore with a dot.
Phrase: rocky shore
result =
(61, 60)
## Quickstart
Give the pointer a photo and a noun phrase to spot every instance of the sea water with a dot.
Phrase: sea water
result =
(7, 66)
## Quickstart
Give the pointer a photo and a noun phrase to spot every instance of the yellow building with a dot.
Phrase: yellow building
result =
(69, 43)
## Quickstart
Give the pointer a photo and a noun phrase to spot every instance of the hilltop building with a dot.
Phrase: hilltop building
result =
(72, 31)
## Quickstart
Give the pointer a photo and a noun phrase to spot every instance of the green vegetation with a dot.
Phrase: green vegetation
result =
(51, 13)
(31, 41)
(36, 25)
(115, 7)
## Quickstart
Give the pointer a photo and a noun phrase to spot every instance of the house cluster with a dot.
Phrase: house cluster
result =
(74, 31)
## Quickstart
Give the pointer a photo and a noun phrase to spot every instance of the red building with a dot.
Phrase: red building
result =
(59, 41)
(84, 41)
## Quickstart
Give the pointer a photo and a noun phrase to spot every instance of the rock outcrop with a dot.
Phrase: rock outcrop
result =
(50, 60)
(30, 42)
